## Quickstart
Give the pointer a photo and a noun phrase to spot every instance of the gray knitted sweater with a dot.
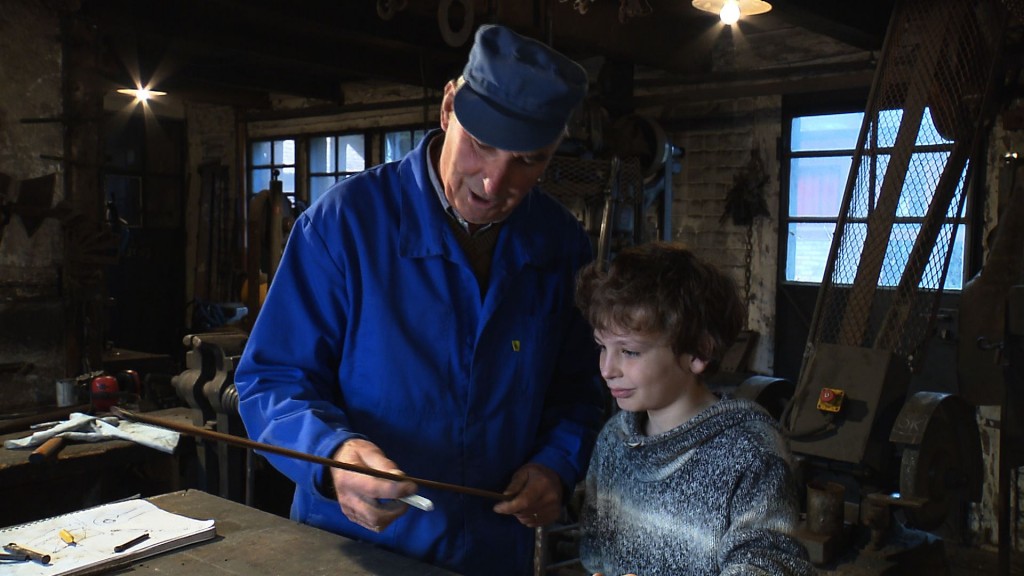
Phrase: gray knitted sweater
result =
(714, 496)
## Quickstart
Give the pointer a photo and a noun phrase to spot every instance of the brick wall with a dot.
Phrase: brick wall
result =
(31, 308)
(719, 139)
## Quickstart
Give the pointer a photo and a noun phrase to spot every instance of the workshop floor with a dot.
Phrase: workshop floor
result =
(978, 561)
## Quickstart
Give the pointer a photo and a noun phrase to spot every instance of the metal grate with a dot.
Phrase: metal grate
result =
(607, 196)
(905, 193)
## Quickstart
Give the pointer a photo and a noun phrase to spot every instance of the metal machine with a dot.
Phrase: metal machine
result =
(626, 198)
(207, 385)
(902, 453)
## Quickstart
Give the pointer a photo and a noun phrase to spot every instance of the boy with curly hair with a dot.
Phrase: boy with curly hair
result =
(681, 482)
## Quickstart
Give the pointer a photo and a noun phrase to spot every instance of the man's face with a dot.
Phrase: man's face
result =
(482, 183)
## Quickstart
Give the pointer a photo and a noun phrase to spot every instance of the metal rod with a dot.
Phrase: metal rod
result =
(246, 443)
(25, 422)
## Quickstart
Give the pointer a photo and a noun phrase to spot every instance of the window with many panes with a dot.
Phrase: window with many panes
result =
(398, 143)
(270, 159)
(334, 158)
(306, 165)
(821, 149)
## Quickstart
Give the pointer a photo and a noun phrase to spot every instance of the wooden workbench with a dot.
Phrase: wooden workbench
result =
(257, 543)
(85, 474)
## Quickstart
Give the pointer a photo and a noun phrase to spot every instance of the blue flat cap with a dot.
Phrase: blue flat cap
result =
(518, 93)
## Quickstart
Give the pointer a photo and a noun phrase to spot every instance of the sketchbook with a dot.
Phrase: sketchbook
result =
(96, 532)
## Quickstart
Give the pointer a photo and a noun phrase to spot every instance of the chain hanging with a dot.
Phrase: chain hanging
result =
(748, 264)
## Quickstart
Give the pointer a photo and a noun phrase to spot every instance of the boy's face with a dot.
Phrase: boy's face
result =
(644, 374)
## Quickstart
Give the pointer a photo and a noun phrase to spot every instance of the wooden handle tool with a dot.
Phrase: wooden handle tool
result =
(47, 450)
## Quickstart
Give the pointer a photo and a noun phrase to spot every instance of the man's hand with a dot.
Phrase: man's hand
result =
(538, 496)
(360, 495)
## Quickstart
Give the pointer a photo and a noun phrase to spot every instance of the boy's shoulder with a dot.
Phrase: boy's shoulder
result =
(741, 410)
(745, 422)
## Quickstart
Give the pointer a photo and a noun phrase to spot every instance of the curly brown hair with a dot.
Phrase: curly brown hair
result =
(662, 288)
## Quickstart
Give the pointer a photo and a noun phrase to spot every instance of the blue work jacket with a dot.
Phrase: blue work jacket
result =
(376, 327)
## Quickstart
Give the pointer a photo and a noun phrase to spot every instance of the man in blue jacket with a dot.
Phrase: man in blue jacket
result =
(422, 321)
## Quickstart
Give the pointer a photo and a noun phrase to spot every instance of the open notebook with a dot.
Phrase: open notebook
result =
(96, 533)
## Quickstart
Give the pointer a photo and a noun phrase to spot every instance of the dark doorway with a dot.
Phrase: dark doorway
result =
(143, 182)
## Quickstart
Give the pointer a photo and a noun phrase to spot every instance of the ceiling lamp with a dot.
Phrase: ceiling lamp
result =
(730, 11)
(141, 94)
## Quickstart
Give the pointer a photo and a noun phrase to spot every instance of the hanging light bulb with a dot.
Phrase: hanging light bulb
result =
(141, 94)
(730, 11)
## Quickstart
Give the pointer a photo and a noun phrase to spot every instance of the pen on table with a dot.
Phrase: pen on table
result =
(67, 537)
(31, 554)
(130, 543)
